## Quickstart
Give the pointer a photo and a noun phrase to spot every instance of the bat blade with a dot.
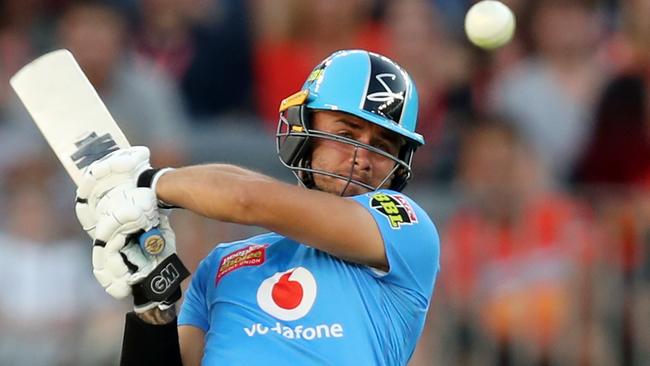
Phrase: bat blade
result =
(72, 118)
(68, 111)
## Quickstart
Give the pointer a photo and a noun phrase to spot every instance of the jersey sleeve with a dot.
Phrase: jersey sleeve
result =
(194, 310)
(410, 238)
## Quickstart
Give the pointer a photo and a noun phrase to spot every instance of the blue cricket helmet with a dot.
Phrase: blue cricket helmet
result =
(364, 84)
(369, 86)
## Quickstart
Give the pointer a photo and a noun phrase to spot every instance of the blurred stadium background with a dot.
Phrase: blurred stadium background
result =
(536, 169)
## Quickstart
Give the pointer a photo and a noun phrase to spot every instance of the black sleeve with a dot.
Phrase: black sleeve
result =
(147, 344)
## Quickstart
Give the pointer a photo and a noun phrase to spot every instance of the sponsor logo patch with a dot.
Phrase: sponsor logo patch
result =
(252, 255)
(154, 244)
(162, 282)
(395, 207)
(307, 333)
(288, 295)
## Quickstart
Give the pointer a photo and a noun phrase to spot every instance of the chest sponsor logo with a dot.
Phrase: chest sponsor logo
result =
(252, 255)
(288, 295)
(298, 332)
(395, 207)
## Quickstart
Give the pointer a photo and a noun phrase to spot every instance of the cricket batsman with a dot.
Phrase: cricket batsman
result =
(346, 272)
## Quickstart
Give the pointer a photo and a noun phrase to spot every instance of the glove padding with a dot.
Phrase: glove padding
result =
(120, 168)
(120, 265)
(112, 210)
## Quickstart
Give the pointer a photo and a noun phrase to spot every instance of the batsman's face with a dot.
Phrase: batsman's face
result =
(347, 160)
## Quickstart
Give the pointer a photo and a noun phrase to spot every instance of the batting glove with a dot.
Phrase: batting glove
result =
(119, 263)
(120, 168)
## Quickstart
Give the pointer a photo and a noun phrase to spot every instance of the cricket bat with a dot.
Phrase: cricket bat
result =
(72, 118)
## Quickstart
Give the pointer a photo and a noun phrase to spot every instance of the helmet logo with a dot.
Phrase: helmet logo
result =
(387, 95)
(386, 90)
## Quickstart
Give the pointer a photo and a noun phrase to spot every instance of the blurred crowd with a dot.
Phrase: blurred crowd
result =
(536, 168)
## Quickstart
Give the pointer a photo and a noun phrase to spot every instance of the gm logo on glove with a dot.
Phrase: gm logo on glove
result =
(165, 279)
(167, 276)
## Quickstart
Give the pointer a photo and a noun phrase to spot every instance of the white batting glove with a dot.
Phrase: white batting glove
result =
(119, 263)
(121, 214)
(120, 168)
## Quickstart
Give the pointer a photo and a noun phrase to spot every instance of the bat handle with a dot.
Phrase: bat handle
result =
(152, 241)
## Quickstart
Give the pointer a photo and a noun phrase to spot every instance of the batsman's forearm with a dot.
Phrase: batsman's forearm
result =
(218, 191)
(231, 194)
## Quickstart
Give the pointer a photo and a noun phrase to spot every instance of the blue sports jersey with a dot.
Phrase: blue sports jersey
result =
(270, 300)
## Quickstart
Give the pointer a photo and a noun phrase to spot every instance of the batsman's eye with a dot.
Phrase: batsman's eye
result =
(386, 146)
(346, 134)
(382, 146)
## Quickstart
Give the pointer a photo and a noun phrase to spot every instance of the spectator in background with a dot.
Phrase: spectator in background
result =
(618, 153)
(551, 93)
(23, 34)
(614, 172)
(205, 47)
(145, 103)
(418, 39)
(513, 253)
(454, 13)
(495, 65)
(296, 34)
(50, 308)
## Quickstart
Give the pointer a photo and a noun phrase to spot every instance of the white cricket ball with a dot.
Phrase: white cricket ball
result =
(489, 24)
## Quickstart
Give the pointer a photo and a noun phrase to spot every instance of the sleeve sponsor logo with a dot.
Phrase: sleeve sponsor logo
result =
(252, 255)
(396, 208)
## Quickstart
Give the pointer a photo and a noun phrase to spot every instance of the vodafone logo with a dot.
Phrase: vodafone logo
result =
(288, 295)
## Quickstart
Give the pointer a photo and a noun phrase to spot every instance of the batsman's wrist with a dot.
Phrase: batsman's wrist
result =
(149, 178)
(157, 316)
